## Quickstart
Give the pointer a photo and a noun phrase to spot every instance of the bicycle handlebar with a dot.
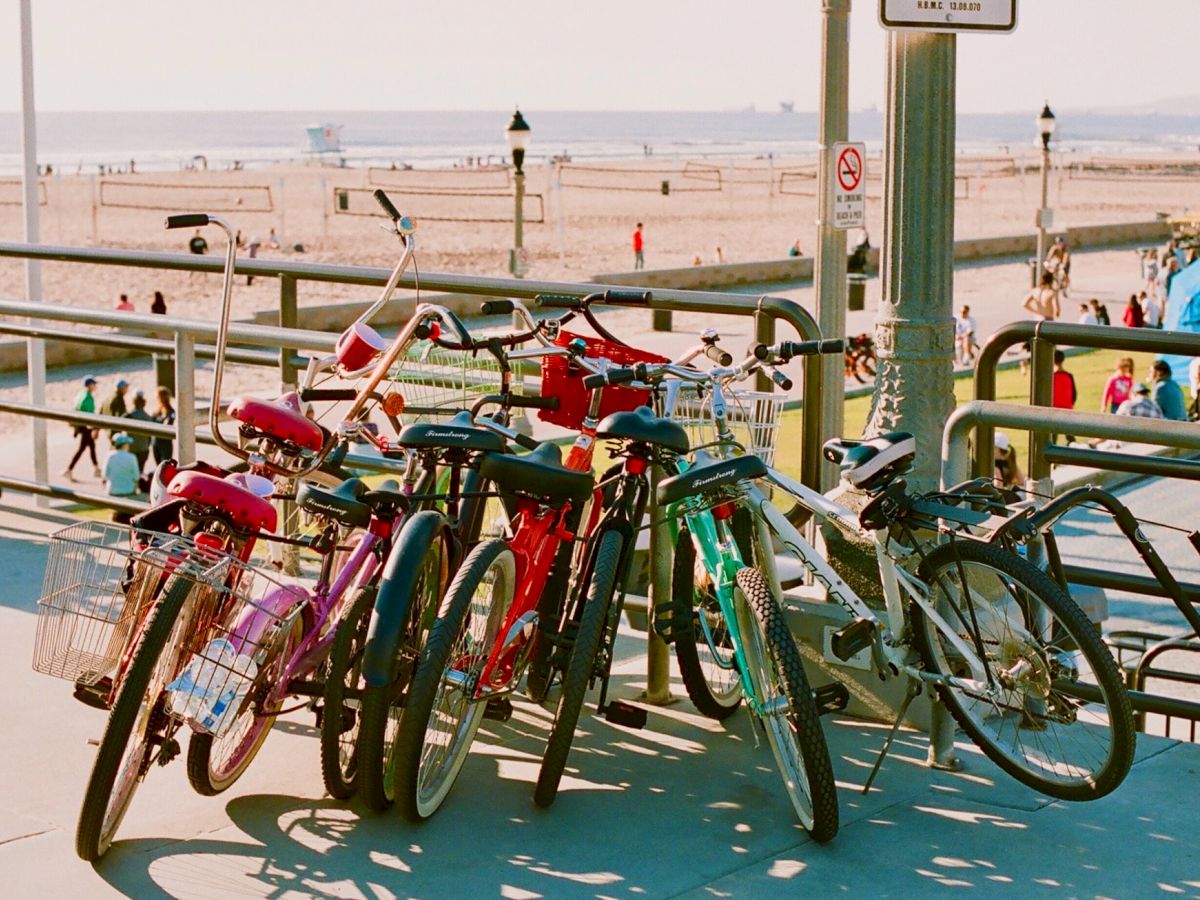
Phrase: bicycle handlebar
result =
(383, 200)
(188, 220)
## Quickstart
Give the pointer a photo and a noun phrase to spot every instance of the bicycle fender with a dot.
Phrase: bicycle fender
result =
(394, 600)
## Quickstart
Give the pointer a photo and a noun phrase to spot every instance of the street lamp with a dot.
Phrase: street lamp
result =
(1045, 123)
(518, 134)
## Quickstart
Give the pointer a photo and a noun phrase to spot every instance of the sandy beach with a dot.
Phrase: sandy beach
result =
(572, 231)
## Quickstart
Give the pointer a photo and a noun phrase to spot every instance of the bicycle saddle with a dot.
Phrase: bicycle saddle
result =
(539, 474)
(342, 503)
(278, 420)
(708, 475)
(245, 510)
(460, 432)
(643, 425)
(871, 464)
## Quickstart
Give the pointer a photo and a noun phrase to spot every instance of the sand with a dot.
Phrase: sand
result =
(585, 229)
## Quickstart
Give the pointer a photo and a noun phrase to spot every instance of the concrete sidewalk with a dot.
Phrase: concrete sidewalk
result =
(684, 807)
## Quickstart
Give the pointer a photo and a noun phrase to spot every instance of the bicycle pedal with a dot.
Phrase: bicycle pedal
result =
(621, 713)
(498, 709)
(831, 697)
(94, 695)
(168, 751)
(852, 638)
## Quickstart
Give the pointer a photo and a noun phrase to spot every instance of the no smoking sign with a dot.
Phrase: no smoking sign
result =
(849, 194)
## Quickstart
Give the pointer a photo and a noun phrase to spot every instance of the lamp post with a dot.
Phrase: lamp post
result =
(1045, 124)
(518, 138)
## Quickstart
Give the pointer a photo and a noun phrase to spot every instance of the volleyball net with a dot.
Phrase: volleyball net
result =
(242, 198)
(441, 205)
(483, 178)
(12, 192)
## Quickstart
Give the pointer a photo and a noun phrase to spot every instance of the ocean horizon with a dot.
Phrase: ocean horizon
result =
(167, 141)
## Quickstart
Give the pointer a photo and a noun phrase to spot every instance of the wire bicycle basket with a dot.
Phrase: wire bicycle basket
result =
(434, 382)
(103, 580)
(752, 416)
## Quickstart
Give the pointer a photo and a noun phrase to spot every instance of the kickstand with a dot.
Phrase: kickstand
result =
(914, 690)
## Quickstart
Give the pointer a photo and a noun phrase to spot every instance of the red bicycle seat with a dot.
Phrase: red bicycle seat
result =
(245, 510)
(277, 421)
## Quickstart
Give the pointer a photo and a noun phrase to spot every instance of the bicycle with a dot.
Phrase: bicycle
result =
(860, 358)
(1004, 647)
(506, 599)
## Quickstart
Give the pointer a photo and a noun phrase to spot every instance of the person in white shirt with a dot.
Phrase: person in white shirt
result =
(1194, 376)
(1086, 316)
(965, 345)
(1151, 310)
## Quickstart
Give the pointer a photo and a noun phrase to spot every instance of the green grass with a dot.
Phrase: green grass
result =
(1090, 369)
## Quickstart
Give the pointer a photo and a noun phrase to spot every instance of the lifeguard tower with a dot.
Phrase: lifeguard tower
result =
(325, 142)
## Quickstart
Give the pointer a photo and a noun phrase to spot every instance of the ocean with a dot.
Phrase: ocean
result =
(165, 141)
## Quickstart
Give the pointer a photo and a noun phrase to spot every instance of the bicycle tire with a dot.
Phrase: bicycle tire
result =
(602, 582)
(215, 764)
(339, 751)
(1040, 665)
(704, 653)
(797, 740)
(435, 702)
(425, 550)
(137, 705)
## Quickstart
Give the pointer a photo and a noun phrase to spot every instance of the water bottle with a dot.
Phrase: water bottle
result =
(212, 687)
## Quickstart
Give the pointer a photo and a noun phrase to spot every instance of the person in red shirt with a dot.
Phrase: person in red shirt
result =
(639, 261)
(1063, 393)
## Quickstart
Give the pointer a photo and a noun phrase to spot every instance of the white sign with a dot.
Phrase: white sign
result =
(849, 191)
(949, 15)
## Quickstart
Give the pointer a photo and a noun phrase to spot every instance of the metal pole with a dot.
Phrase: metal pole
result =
(658, 661)
(518, 223)
(287, 319)
(914, 331)
(830, 273)
(185, 398)
(35, 347)
(1041, 219)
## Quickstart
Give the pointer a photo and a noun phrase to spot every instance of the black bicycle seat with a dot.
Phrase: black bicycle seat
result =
(708, 476)
(539, 473)
(460, 432)
(870, 464)
(343, 503)
(643, 425)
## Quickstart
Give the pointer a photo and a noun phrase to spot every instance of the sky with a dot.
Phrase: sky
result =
(563, 55)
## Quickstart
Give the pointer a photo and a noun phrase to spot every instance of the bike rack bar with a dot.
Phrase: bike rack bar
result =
(1127, 582)
(1123, 462)
(139, 345)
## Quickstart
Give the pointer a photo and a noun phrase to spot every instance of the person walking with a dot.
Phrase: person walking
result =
(1118, 387)
(1165, 391)
(1152, 310)
(965, 345)
(1063, 391)
(85, 402)
(1042, 301)
(140, 446)
(639, 257)
(1086, 316)
(252, 252)
(164, 414)
(1101, 312)
(1058, 264)
(159, 306)
(115, 405)
(1133, 317)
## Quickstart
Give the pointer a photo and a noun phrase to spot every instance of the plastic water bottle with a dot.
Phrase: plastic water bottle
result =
(212, 687)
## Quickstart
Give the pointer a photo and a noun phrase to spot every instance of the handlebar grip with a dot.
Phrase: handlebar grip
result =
(495, 307)
(533, 402)
(628, 296)
(557, 301)
(782, 380)
(788, 349)
(717, 355)
(382, 199)
(611, 377)
(187, 220)
(328, 394)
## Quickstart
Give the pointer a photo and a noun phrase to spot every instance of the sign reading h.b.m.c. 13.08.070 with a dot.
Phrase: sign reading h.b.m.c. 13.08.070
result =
(949, 15)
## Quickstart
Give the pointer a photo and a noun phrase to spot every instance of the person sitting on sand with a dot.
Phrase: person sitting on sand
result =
(124, 304)
(198, 244)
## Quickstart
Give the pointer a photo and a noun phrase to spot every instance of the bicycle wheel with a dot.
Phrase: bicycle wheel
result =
(343, 692)
(422, 550)
(136, 720)
(790, 717)
(602, 581)
(215, 763)
(442, 717)
(1035, 645)
(704, 652)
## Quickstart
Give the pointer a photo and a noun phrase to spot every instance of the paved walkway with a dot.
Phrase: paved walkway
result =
(684, 807)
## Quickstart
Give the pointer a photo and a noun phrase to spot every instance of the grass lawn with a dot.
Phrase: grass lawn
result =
(1090, 369)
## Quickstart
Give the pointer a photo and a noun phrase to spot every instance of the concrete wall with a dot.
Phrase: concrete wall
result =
(335, 317)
